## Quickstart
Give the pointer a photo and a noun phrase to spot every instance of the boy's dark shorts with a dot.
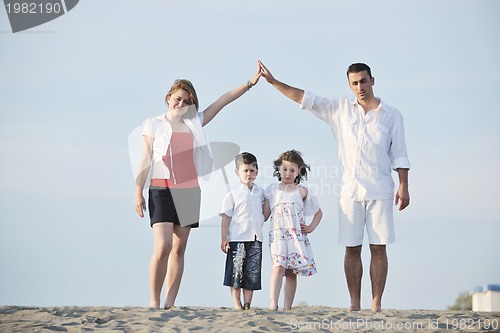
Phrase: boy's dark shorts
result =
(244, 265)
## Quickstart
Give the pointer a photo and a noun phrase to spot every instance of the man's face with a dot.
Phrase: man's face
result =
(361, 85)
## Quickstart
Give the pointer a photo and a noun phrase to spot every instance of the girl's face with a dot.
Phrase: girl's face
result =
(179, 101)
(288, 172)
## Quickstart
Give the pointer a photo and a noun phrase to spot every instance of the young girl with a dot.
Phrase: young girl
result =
(288, 203)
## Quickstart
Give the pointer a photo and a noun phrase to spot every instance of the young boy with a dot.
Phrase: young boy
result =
(241, 232)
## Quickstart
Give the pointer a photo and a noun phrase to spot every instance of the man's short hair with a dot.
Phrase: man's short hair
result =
(359, 67)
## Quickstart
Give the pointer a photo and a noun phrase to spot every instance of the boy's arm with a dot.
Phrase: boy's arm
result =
(224, 245)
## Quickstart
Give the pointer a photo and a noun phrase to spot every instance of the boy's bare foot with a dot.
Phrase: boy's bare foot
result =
(246, 306)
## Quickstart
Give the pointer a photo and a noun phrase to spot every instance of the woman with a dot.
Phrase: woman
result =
(174, 148)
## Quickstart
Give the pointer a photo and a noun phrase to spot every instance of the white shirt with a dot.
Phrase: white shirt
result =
(161, 131)
(369, 145)
(244, 207)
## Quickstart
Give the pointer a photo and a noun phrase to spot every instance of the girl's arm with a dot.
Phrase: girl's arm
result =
(229, 97)
(316, 218)
(314, 223)
(224, 245)
(266, 209)
(144, 166)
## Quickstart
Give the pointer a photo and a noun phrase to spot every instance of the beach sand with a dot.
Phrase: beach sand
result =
(201, 319)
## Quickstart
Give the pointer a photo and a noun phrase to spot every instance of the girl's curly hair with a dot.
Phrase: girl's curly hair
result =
(292, 156)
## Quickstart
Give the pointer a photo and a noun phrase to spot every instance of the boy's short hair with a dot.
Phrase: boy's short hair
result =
(245, 158)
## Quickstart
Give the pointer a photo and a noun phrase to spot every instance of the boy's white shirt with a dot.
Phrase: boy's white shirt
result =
(244, 207)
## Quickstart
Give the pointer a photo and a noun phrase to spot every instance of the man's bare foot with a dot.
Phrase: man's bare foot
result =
(376, 307)
(353, 308)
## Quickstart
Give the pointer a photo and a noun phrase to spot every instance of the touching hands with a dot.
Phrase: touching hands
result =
(265, 72)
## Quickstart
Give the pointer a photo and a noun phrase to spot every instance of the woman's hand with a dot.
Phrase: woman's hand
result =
(140, 204)
(253, 81)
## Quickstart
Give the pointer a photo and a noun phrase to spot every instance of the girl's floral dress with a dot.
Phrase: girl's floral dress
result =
(290, 248)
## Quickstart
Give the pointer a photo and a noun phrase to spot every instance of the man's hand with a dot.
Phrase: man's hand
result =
(266, 73)
(402, 197)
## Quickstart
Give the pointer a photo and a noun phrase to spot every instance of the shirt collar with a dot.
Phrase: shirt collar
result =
(382, 106)
(242, 186)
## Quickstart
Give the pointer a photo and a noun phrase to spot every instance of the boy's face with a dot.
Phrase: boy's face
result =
(247, 173)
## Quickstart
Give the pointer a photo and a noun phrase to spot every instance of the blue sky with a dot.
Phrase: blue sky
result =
(74, 89)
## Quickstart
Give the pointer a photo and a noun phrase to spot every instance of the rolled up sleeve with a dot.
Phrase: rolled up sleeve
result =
(398, 152)
(322, 107)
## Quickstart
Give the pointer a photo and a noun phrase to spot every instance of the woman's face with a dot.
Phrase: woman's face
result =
(179, 101)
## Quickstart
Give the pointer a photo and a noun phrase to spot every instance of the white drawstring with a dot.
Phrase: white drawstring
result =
(172, 162)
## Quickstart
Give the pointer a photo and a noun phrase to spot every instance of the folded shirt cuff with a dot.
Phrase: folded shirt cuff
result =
(401, 163)
(307, 100)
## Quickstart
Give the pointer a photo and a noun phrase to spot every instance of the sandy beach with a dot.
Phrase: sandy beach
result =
(200, 319)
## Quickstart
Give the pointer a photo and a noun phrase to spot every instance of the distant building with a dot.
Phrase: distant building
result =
(486, 298)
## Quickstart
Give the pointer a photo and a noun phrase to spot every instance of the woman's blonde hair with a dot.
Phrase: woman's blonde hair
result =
(187, 86)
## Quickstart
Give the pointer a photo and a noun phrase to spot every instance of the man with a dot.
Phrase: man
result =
(371, 142)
